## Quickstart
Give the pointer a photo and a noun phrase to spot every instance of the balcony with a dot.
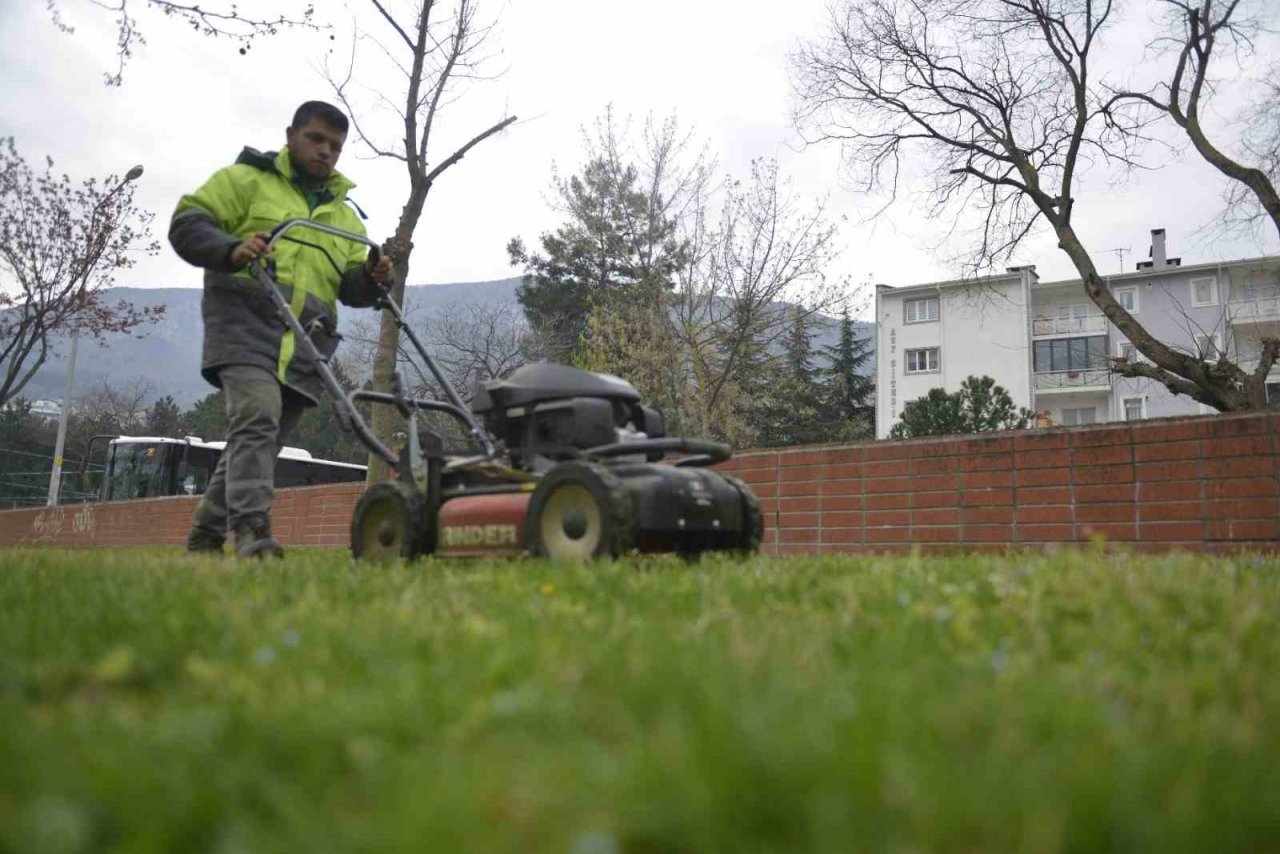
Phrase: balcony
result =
(1091, 380)
(1077, 325)
(1263, 309)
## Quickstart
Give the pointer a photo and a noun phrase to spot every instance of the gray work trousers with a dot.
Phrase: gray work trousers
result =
(261, 413)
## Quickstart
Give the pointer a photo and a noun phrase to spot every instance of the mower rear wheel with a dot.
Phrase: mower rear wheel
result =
(748, 541)
(579, 512)
(389, 523)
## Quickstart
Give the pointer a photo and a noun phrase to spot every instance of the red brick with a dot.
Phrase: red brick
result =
(937, 483)
(842, 535)
(935, 499)
(881, 518)
(935, 534)
(844, 470)
(1042, 477)
(1002, 445)
(1110, 492)
(1107, 455)
(798, 535)
(1242, 488)
(1244, 529)
(985, 516)
(900, 534)
(841, 502)
(1105, 513)
(1240, 467)
(986, 462)
(873, 486)
(1043, 459)
(1180, 470)
(798, 505)
(1045, 495)
(1041, 440)
(844, 455)
(936, 516)
(888, 451)
(1150, 432)
(798, 488)
(896, 501)
(1228, 426)
(1092, 437)
(934, 465)
(1122, 473)
(1044, 533)
(1171, 490)
(806, 458)
(986, 497)
(988, 533)
(842, 520)
(987, 479)
(1170, 531)
(1167, 451)
(806, 474)
(1115, 531)
(840, 487)
(891, 468)
(938, 448)
(1242, 446)
(1171, 511)
(1244, 508)
(1043, 514)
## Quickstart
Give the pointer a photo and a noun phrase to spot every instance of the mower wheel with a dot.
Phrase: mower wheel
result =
(579, 512)
(389, 523)
(752, 519)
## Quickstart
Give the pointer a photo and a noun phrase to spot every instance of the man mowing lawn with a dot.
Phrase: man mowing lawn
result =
(248, 353)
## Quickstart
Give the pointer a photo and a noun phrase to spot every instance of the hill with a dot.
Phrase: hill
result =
(167, 353)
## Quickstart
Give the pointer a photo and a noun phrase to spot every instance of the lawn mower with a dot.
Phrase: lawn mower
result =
(562, 463)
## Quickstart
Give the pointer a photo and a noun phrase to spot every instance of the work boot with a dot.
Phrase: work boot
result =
(253, 538)
(202, 540)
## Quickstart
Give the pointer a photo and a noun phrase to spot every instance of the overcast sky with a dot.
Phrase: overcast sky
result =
(189, 103)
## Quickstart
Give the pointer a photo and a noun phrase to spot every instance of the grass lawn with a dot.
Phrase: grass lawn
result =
(1076, 702)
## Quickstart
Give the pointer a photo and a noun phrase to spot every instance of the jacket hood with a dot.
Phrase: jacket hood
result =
(279, 162)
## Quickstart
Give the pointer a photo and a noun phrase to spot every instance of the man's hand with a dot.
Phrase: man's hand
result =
(254, 247)
(380, 272)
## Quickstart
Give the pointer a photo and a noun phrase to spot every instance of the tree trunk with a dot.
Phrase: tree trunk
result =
(386, 421)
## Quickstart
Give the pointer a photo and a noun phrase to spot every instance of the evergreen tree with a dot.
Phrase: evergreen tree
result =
(979, 406)
(207, 419)
(850, 394)
(788, 406)
(164, 418)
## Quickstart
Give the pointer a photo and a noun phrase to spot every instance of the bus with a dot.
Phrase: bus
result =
(155, 466)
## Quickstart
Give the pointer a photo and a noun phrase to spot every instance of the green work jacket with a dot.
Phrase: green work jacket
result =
(255, 194)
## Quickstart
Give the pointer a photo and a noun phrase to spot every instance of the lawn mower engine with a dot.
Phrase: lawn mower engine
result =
(589, 480)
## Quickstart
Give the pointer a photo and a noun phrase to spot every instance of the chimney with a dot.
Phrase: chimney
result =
(1157, 253)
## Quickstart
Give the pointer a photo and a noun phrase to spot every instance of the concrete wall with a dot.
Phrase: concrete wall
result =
(1202, 484)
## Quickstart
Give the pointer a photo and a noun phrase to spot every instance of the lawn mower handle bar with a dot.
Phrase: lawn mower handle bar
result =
(344, 403)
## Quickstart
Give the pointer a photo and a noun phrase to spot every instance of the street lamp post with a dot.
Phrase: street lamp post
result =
(55, 477)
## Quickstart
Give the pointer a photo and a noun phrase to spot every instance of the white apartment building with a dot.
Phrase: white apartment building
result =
(1047, 343)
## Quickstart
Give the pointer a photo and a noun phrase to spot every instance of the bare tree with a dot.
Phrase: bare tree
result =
(473, 342)
(433, 48)
(1201, 31)
(1004, 103)
(213, 18)
(750, 268)
(61, 243)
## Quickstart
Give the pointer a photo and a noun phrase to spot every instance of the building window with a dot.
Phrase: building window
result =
(1127, 351)
(922, 310)
(1204, 292)
(1071, 354)
(1135, 408)
(1128, 298)
(1273, 392)
(923, 361)
(1081, 415)
(1208, 347)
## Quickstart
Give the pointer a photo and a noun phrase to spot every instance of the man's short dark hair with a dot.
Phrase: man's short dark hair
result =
(327, 113)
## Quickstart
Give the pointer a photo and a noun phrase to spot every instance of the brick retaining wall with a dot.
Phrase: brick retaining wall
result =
(1207, 484)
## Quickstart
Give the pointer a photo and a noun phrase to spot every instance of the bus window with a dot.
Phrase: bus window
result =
(138, 471)
(200, 465)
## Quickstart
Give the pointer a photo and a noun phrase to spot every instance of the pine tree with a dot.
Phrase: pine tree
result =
(850, 394)
(979, 406)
